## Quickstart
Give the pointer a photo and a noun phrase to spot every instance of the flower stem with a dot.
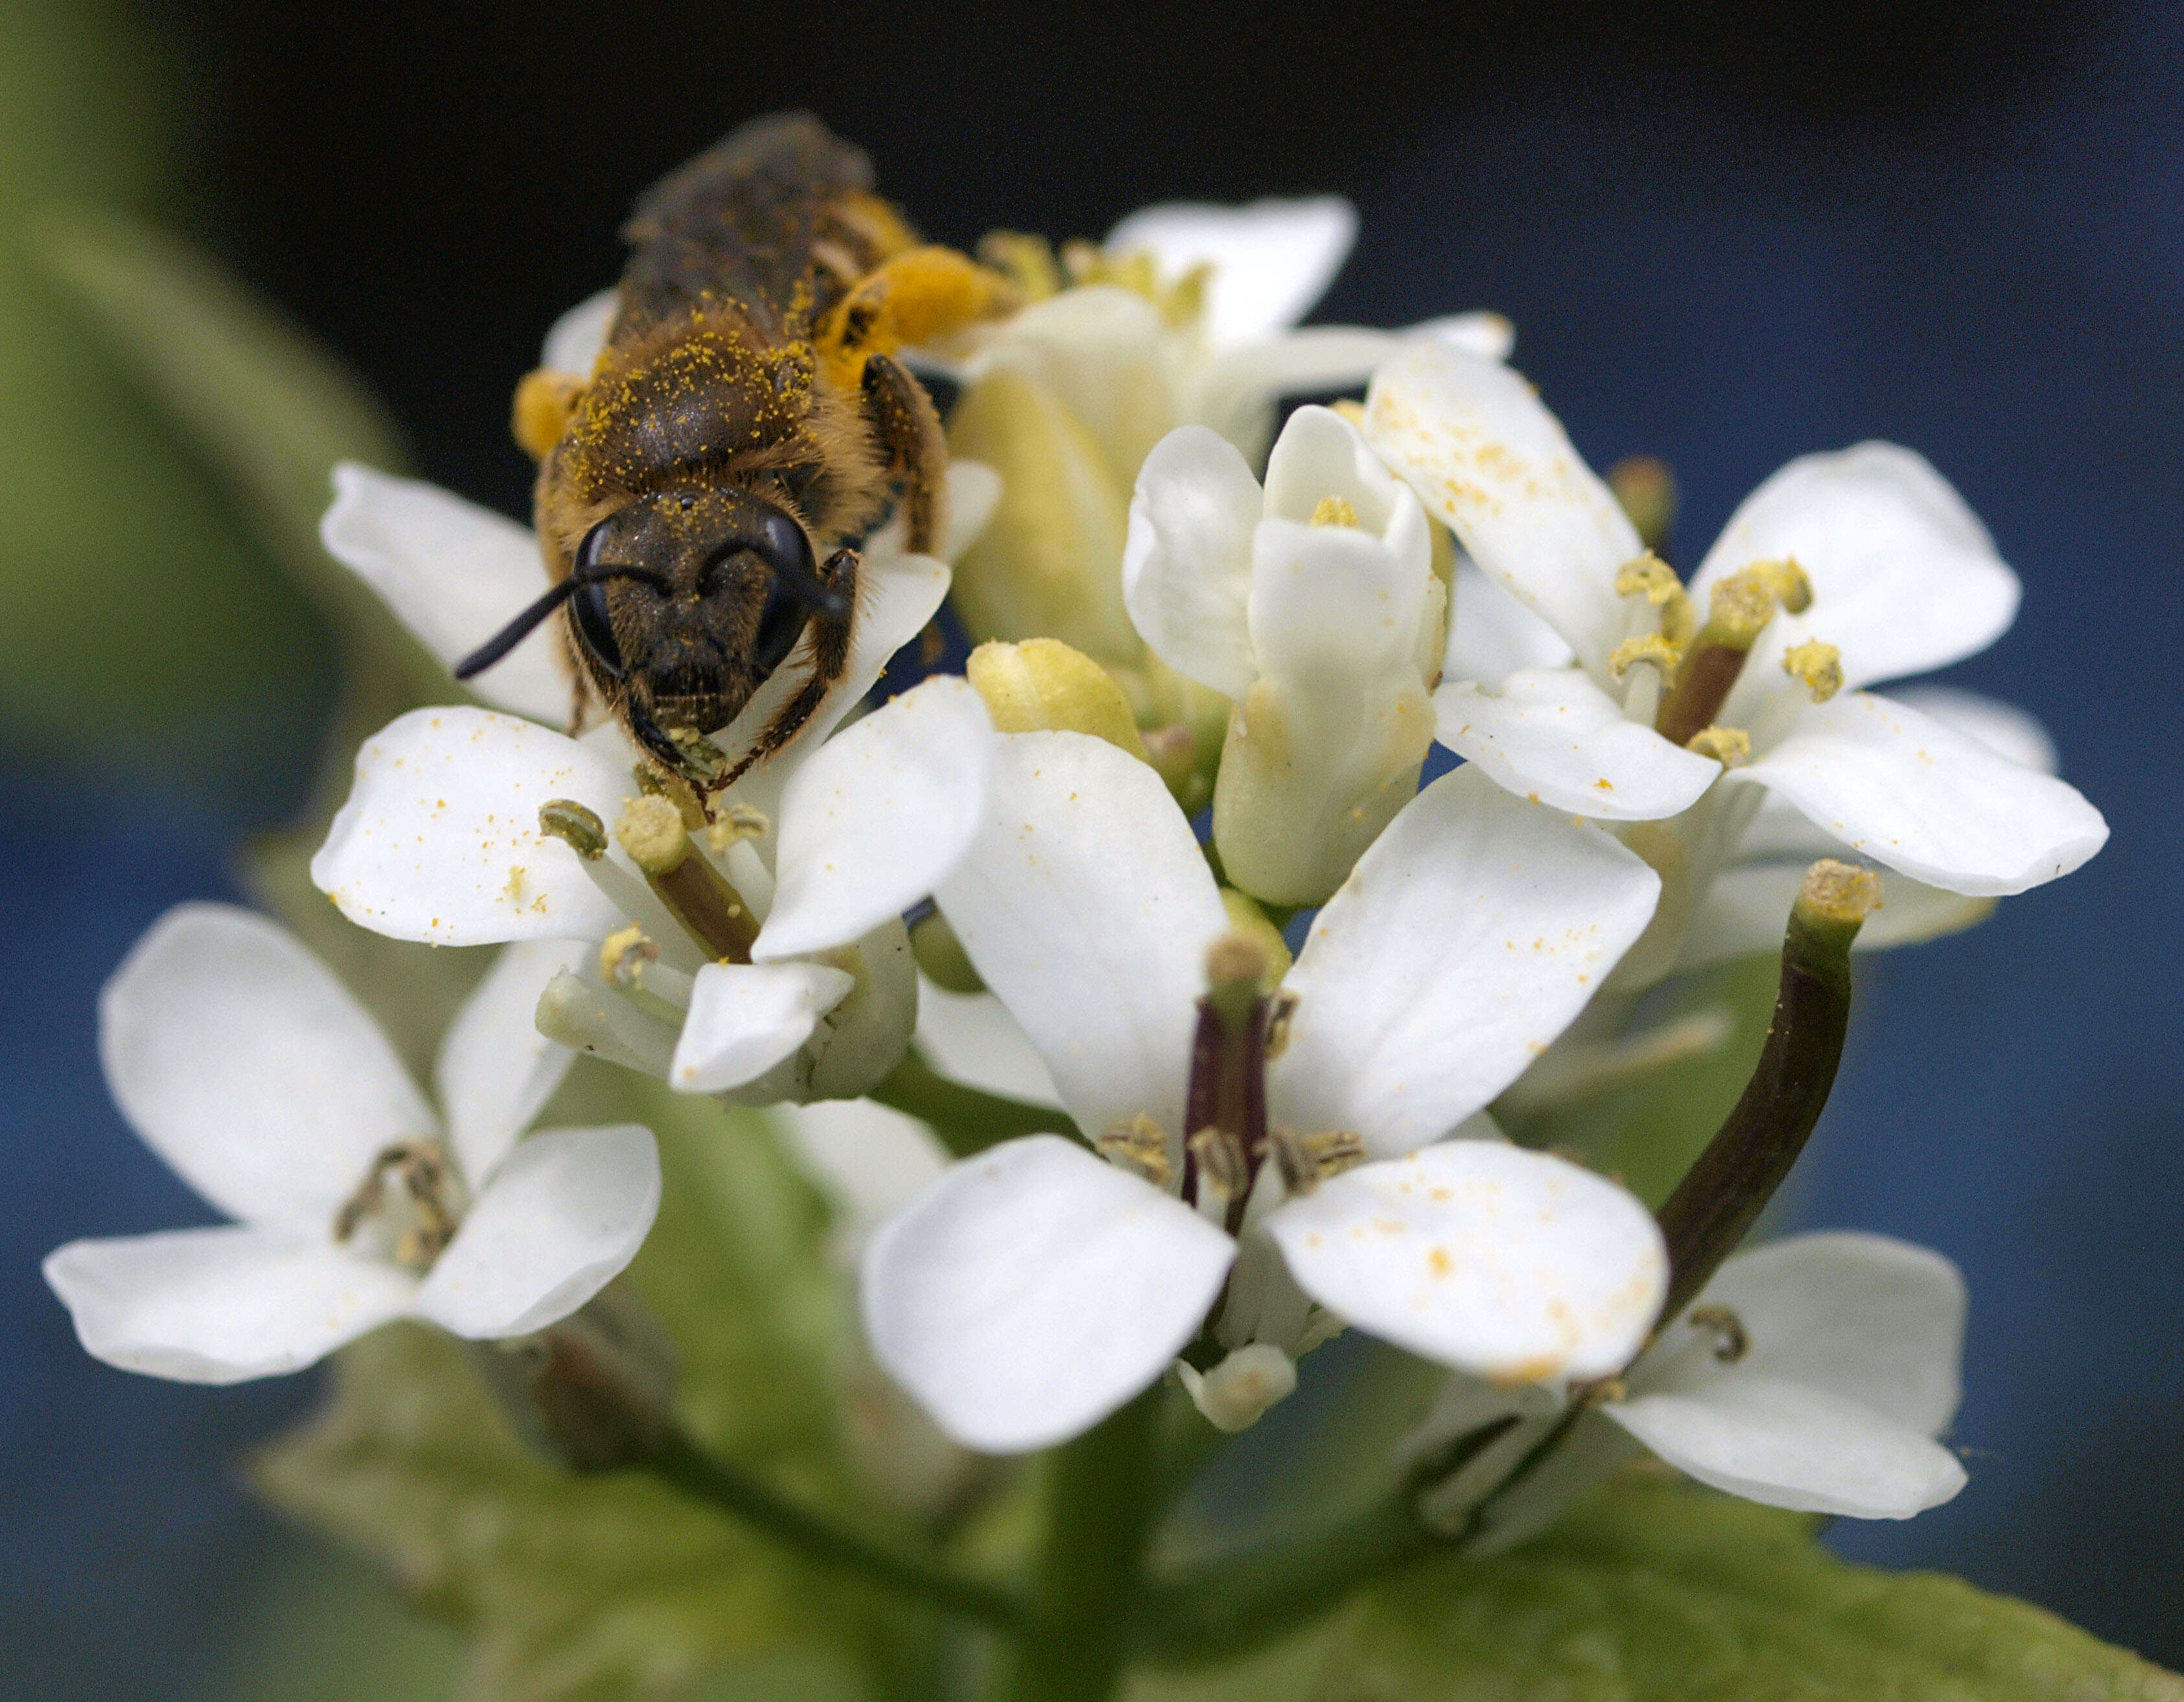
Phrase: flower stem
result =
(967, 1120)
(706, 1477)
(1102, 1496)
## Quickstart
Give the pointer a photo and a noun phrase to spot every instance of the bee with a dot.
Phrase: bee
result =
(702, 495)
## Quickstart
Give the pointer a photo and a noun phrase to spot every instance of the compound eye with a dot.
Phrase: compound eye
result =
(588, 612)
(779, 627)
(780, 542)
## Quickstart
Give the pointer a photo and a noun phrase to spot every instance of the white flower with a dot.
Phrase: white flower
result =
(1880, 571)
(1313, 605)
(1186, 317)
(1813, 1374)
(440, 840)
(242, 1062)
(1036, 1288)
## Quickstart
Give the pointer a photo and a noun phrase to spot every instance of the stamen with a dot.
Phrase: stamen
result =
(1792, 585)
(1819, 665)
(1728, 745)
(1139, 1147)
(1646, 646)
(430, 1200)
(674, 789)
(1653, 579)
(1217, 1174)
(737, 823)
(574, 825)
(1731, 1341)
(696, 893)
(1334, 511)
(1307, 1160)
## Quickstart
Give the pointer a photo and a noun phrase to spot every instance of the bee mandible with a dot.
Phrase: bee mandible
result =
(702, 493)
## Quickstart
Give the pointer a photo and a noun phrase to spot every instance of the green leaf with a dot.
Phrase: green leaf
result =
(582, 1588)
(1653, 1590)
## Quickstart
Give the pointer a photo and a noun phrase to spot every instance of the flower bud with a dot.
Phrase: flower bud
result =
(591, 1393)
(1043, 685)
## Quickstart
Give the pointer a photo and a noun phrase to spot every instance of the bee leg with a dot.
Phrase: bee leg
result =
(830, 660)
(903, 414)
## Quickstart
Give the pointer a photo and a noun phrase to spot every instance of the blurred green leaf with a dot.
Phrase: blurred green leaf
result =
(584, 1587)
(1653, 1591)
(1649, 1134)
(140, 612)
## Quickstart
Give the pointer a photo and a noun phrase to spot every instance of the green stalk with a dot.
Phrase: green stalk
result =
(1102, 1496)
(967, 1120)
(705, 1477)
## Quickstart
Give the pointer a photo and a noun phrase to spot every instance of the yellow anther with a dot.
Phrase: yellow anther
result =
(1646, 646)
(1728, 745)
(1027, 261)
(1334, 511)
(1787, 581)
(1350, 409)
(623, 955)
(1839, 892)
(1139, 1147)
(738, 821)
(1819, 665)
(1649, 574)
(1307, 1160)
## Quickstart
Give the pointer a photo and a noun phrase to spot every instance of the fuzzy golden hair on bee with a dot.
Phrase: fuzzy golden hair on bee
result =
(703, 494)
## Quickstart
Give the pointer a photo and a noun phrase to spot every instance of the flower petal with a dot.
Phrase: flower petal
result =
(746, 1018)
(1747, 907)
(1787, 1445)
(1485, 457)
(1034, 1290)
(1550, 734)
(439, 839)
(1086, 904)
(875, 818)
(1492, 635)
(222, 1306)
(872, 1160)
(586, 1017)
(1271, 259)
(972, 1038)
(974, 491)
(1337, 610)
(454, 574)
(1187, 565)
(496, 1071)
(250, 1070)
(1864, 1317)
(1320, 454)
(1467, 938)
(1905, 790)
(563, 1215)
(1905, 579)
(1513, 1266)
(574, 343)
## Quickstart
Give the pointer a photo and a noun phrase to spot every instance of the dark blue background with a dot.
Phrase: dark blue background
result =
(1986, 264)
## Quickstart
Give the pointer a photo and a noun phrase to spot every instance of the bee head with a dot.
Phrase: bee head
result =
(687, 600)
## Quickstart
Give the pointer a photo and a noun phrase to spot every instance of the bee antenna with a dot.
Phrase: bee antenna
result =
(515, 632)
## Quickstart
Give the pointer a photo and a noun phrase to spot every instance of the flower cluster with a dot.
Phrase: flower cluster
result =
(1192, 741)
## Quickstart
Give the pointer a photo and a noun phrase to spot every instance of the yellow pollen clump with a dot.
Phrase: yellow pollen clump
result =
(1819, 665)
(1728, 745)
(1334, 511)
(1646, 646)
(651, 830)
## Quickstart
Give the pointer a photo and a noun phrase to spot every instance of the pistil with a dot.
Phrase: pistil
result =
(697, 895)
(1225, 1107)
(1742, 605)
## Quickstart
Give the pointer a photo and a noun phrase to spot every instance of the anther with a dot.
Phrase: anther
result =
(1728, 745)
(1646, 646)
(674, 789)
(624, 957)
(1308, 1161)
(1731, 1341)
(738, 822)
(1334, 511)
(575, 826)
(696, 893)
(1646, 490)
(1223, 1173)
(429, 1202)
(1139, 1147)
(1819, 665)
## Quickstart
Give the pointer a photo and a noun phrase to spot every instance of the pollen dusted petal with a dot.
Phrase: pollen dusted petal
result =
(1487, 459)
(876, 818)
(454, 574)
(250, 1070)
(1550, 733)
(1512, 1265)
(439, 839)
(1271, 259)
(222, 1306)
(564, 1212)
(1034, 1290)
(1466, 939)
(1907, 791)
